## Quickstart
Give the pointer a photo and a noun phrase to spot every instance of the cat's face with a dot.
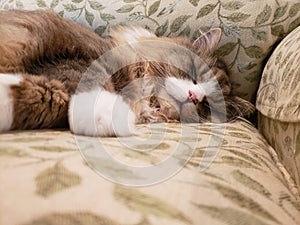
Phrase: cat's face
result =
(202, 92)
(192, 82)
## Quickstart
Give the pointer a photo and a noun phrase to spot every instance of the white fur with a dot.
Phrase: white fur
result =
(131, 34)
(179, 88)
(100, 113)
(6, 100)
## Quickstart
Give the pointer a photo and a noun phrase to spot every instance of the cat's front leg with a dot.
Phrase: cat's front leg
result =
(31, 102)
(101, 113)
(7, 100)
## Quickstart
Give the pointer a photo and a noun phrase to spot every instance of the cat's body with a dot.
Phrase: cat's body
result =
(57, 72)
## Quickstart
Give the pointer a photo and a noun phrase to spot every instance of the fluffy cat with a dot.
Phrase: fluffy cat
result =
(56, 73)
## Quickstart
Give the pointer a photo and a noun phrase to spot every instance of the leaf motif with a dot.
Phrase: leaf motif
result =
(264, 15)
(259, 35)
(178, 22)
(194, 2)
(61, 13)
(96, 5)
(254, 52)
(225, 49)
(277, 30)
(143, 203)
(186, 32)
(297, 145)
(243, 201)
(231, 29)
(244, 156)
(252, 77)
(41, 3)
(153, 8)
(77, 1)
(137, 16)
(100, 30)
(294, 24)
(233, 5)
(126, 8)
(55, 179)
(12, 151)
(161, 30)
(233, 161)
(107, 17)
(196, 34)
(205, 10)
(54, 3)
(294, 9)
(52, 148)
(238, 17)
(89, 17)
(167, 9)
(250, 183)
(229, 215)
(280, 11)
(19, 5)
(70, 7)
(78, 218)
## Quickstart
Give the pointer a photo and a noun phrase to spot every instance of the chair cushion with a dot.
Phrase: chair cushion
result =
(199, 173)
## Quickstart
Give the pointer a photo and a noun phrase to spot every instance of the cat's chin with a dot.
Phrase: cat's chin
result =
(100, 113)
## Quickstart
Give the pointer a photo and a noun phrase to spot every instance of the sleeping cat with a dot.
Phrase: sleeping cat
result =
(56, 73)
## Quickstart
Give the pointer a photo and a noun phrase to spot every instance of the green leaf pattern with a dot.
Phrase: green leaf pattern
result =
(239, 178)
(278, 100)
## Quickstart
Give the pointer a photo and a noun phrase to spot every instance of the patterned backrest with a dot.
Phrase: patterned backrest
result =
(250, 28)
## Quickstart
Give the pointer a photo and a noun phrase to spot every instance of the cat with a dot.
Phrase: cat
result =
(57, 73)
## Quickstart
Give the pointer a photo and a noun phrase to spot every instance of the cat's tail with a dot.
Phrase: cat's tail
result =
(101, 113)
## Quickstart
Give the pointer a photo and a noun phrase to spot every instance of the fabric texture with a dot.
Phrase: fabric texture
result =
(278, 96)
(230, 178)
(284, 137)
(250, 28)
(278, 101)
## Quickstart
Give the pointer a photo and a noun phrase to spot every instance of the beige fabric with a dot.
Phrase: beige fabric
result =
(44, 179)
(278, 96)
(285, 138)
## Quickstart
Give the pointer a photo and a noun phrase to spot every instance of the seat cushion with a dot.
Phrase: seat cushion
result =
(169, 174)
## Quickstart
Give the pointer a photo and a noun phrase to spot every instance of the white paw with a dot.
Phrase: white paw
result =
(6, 100)
(100, 113)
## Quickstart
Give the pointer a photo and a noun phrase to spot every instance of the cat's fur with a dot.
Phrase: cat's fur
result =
(46, 83)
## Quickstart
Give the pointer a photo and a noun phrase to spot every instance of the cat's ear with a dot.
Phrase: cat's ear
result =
(208, 41)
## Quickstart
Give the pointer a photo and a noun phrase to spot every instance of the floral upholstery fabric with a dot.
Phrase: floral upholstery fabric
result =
(278, 96)
(231, 177)
(278, 100)
(250, 28)
(285, 138)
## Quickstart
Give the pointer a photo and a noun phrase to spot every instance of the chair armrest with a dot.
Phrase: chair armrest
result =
(278, 102)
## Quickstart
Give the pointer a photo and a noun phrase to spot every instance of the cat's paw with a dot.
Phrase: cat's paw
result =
(100, 113)
(7, 100)
(144, 113)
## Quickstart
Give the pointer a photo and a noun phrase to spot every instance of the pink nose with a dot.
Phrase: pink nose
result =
(192, 96)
